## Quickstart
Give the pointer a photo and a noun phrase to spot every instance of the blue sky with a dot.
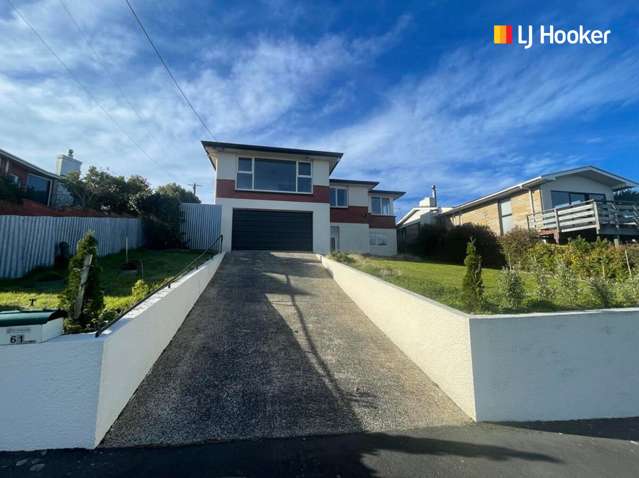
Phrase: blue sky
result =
(413, 93)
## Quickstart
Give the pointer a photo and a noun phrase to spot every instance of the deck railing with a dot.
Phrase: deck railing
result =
(586, 215)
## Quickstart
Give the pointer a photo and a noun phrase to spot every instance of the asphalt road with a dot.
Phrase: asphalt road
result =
(589, 449)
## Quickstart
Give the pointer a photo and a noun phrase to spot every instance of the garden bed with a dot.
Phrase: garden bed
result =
(443, 282)
(44, 285)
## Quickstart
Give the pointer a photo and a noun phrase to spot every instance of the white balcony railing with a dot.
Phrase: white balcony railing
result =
(586, 215)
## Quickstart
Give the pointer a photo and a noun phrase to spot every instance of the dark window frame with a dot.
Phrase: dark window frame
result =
(587, 196)
(298, 176)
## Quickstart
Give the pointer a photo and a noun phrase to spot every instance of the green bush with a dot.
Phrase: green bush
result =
(626, 292)
(161, 218)
(544, 291)
(485, 241)
(140, 290)
(473, 284)
(566, 289)
(93, 301)
(516, 246)
(511, 289)
(342, 257)
(430, 240)
(601, 292)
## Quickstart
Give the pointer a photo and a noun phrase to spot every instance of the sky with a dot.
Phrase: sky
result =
(413, 93)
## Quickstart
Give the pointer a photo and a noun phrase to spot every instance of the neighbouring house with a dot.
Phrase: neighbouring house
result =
(38, 185)
(556, 205)
(283, 199)
(426, 212)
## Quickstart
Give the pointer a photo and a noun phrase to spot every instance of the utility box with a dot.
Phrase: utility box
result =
(30, 327)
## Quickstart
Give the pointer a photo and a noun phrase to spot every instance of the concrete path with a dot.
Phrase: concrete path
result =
(274, 348)
(588, 450)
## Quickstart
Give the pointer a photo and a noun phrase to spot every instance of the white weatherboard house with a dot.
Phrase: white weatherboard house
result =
(284, 199)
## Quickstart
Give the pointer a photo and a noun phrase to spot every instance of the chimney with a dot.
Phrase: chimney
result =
(430, 201)
(66, 164)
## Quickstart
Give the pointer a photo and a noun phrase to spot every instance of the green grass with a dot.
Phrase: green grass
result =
(442, 282)
(44, 285)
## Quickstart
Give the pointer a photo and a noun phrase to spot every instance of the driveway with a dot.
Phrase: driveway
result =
(274, 348)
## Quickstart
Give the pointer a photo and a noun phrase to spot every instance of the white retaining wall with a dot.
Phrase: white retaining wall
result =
(67, 392)
(526, 367)
(432, 335)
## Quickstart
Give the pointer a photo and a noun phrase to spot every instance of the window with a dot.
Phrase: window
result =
(339, 197)
(505, 215)
(381, 206)
(38, 188)
(244, 173)
(377, 239)
(274, 175)
(566, 198)
(304, 180)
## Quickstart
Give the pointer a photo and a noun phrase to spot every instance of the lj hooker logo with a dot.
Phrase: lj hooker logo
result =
(549, 35)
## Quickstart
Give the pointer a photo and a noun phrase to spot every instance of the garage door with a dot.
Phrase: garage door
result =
(272, 230)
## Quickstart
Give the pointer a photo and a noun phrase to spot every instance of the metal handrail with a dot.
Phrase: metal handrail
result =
(166, 284)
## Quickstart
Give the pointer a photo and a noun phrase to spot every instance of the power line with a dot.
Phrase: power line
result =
(168, 70)
(98, 57)
(78, 82)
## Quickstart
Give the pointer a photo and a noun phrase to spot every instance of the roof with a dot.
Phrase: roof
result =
(372, 184)
(396, 194)
(614, 181)
(28, 165)
(273, 149)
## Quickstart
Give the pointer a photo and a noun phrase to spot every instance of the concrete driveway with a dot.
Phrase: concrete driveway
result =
(274, 348)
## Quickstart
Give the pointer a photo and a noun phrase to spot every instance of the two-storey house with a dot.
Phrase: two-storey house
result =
(276, 198)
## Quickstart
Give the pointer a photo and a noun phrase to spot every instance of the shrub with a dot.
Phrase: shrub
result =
(140, 290)
(342, 257)
(544, 291)
(161, 218)
(93, 301)
(566, 285)
(626, 292)
(473, 284)
(485, 241)
(430, 240)
(516, 246)
(601, 292)
(511, 288)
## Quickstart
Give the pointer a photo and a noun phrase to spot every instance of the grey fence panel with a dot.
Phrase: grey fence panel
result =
(27, 242)
(201, 225)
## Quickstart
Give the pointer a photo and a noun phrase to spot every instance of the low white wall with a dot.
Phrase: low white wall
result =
(560, 366)
(353, 237)
(390, 249)
(432, 335)
(67, 392)
(525, 367)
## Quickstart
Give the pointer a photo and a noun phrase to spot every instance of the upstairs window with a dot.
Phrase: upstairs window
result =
(567, 198)
(274, 175)
(339, 197)
(381, 206)
(505, 216)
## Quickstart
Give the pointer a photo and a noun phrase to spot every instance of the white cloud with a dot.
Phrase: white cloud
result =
(466, 125)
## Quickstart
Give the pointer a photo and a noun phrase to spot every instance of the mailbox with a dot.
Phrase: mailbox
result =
(30, 326)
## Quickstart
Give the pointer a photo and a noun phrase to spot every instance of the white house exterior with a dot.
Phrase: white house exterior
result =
(282, 199)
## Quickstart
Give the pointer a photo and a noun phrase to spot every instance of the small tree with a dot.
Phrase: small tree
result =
(473, 284)
(511, 288)
(93, 300)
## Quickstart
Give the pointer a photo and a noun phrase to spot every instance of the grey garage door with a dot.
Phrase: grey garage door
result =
(272, 230)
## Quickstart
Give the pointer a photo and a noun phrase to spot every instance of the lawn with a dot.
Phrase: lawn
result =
(44, 285)
(443, 282)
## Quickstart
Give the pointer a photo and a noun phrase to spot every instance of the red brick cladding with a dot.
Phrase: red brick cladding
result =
(381, 222)
(18, 170)
(351, 214)
(226, 189)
